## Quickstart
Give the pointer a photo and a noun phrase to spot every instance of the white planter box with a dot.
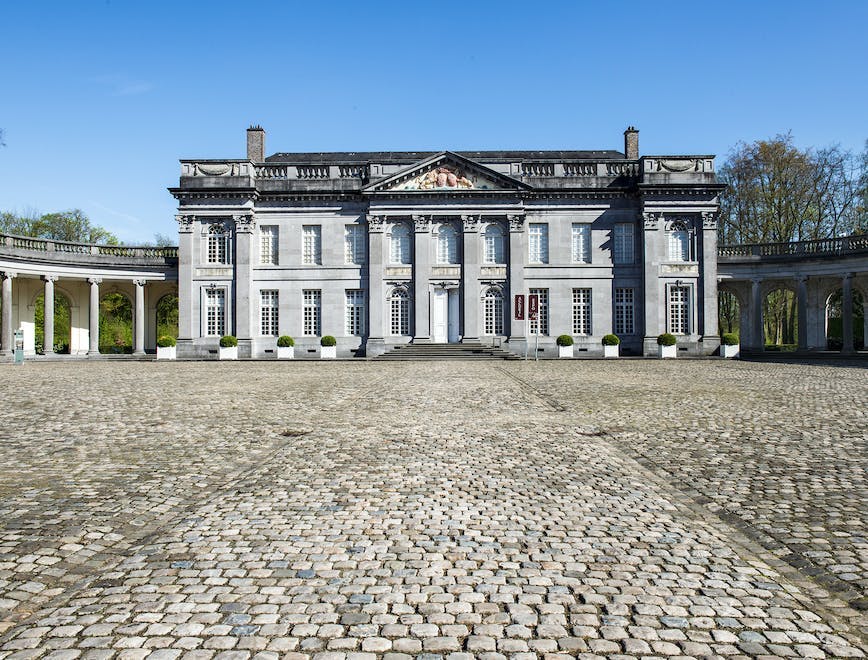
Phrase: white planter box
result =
(667, 351)
(729, 351)
(611, 351)
(565, 351)
(285, 352)
(166, 352)
(328, 352)
(230, 353)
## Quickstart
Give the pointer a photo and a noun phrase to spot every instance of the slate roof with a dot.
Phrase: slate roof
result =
(410, 157)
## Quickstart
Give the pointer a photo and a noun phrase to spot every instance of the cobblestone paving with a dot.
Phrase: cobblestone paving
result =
(620, 509)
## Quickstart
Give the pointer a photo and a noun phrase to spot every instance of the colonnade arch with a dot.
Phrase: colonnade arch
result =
(62, 326)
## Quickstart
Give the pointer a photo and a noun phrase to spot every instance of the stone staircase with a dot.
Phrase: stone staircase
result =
(468, 351)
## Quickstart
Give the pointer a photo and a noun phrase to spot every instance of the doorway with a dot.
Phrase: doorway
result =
(444, 316)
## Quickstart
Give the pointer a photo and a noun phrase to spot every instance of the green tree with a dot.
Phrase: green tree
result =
(167, 315)
(115, 324)
(61, 323)
(73, 226)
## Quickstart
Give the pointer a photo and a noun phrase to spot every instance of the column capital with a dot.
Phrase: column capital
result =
(651, 220)
(375, 222)
(848, 276)
(50, 278)
(802, 279)
(8, 274)
(244, 223)
(94, 280)
(185, 223)
(709, 220)
(516, 221)
(470, 223)
(140, 281)
(421, 223)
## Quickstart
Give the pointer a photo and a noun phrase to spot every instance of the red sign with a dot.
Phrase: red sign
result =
(533, 307)
(519, 307)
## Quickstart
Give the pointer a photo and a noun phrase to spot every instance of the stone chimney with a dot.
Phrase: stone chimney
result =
(256, 144)
(631, 143)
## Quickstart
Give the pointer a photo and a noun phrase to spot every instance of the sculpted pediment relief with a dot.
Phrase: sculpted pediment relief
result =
(446, 177)
(446, 172)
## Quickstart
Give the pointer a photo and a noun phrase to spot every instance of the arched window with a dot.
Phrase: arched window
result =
(399, 312)
(399, 244)
(680, 239)
(493, 311)
(218, 244)
(447, 245)
(494, 245)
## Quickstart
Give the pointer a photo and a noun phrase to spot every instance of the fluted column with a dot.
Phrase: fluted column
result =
(421, 276)
(847, 313)
(93, 320)
(48, 315)
(756, 316)
(802, 294)
(6, 333)
(470, 278)
(139, 319)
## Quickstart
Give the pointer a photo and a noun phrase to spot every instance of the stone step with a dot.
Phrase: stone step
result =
(447, 352)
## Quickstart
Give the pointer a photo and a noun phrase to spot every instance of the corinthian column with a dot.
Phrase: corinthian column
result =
(48, 315)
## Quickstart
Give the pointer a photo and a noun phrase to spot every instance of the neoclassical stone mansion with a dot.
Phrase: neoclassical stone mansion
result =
(384, 248)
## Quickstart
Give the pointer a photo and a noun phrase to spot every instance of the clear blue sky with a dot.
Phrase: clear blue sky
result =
(99, 100)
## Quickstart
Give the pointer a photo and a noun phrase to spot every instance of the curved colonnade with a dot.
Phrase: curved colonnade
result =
(30, 267)
(82, 273)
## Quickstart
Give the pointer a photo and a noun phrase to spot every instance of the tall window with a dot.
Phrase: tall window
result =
(581, 244)
(399, 307)
(311, 252)
(268, 313)
(493, 311)
(399, 244)
(447, 245)
(542, 321)
(354, 317)
(218, 244)
(538, 243)
(679, 310)
(268, 245)
(215, 312)
(581, 311)
(624, 312)
(680, 240)
(494, 245)
(624, 242)
(354, 244)
(312, 312)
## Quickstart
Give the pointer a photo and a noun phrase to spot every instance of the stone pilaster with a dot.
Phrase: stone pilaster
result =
(421, 277)
(93, 317)
(470, 271)
(48, 315)
(6, 333)
(515, 273)
(187, 297)
(244, 296)
(708, 316)
(376, 344)
(652, 253)
(139, 319)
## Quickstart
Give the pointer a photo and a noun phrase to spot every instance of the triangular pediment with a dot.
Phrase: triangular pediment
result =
(446, 172)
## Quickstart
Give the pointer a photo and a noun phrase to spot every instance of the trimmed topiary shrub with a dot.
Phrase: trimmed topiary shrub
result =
(666, 339)
(565, 340)
(166, 341)
(611, 340)
(228, 341)
(729, 339)
(285, 341)
(328, 340)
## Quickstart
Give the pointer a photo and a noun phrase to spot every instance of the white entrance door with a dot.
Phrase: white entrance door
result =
(453, 316)
(439, 316)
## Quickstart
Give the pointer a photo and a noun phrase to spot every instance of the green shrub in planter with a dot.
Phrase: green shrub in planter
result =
(666, 339)
(611, 340)
(328, 340)
(285, 341)
(166, 341)
(565, 340)
(729, 339)
(228, 341)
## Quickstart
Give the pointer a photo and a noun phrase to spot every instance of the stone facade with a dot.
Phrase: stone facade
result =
(383, 248)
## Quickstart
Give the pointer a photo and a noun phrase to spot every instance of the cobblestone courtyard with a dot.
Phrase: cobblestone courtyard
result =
(357, 510)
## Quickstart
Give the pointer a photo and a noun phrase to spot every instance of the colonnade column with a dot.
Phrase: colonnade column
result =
(847, 313)
(48, 315)
(802, 293)
(756, 301)
(517, 260)
(376, 344)
(139, 319)
(470, 277)
(93, 331)
(6, 335)
(421, 275)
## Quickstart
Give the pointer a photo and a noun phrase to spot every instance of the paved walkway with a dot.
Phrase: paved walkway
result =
(619, 509)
